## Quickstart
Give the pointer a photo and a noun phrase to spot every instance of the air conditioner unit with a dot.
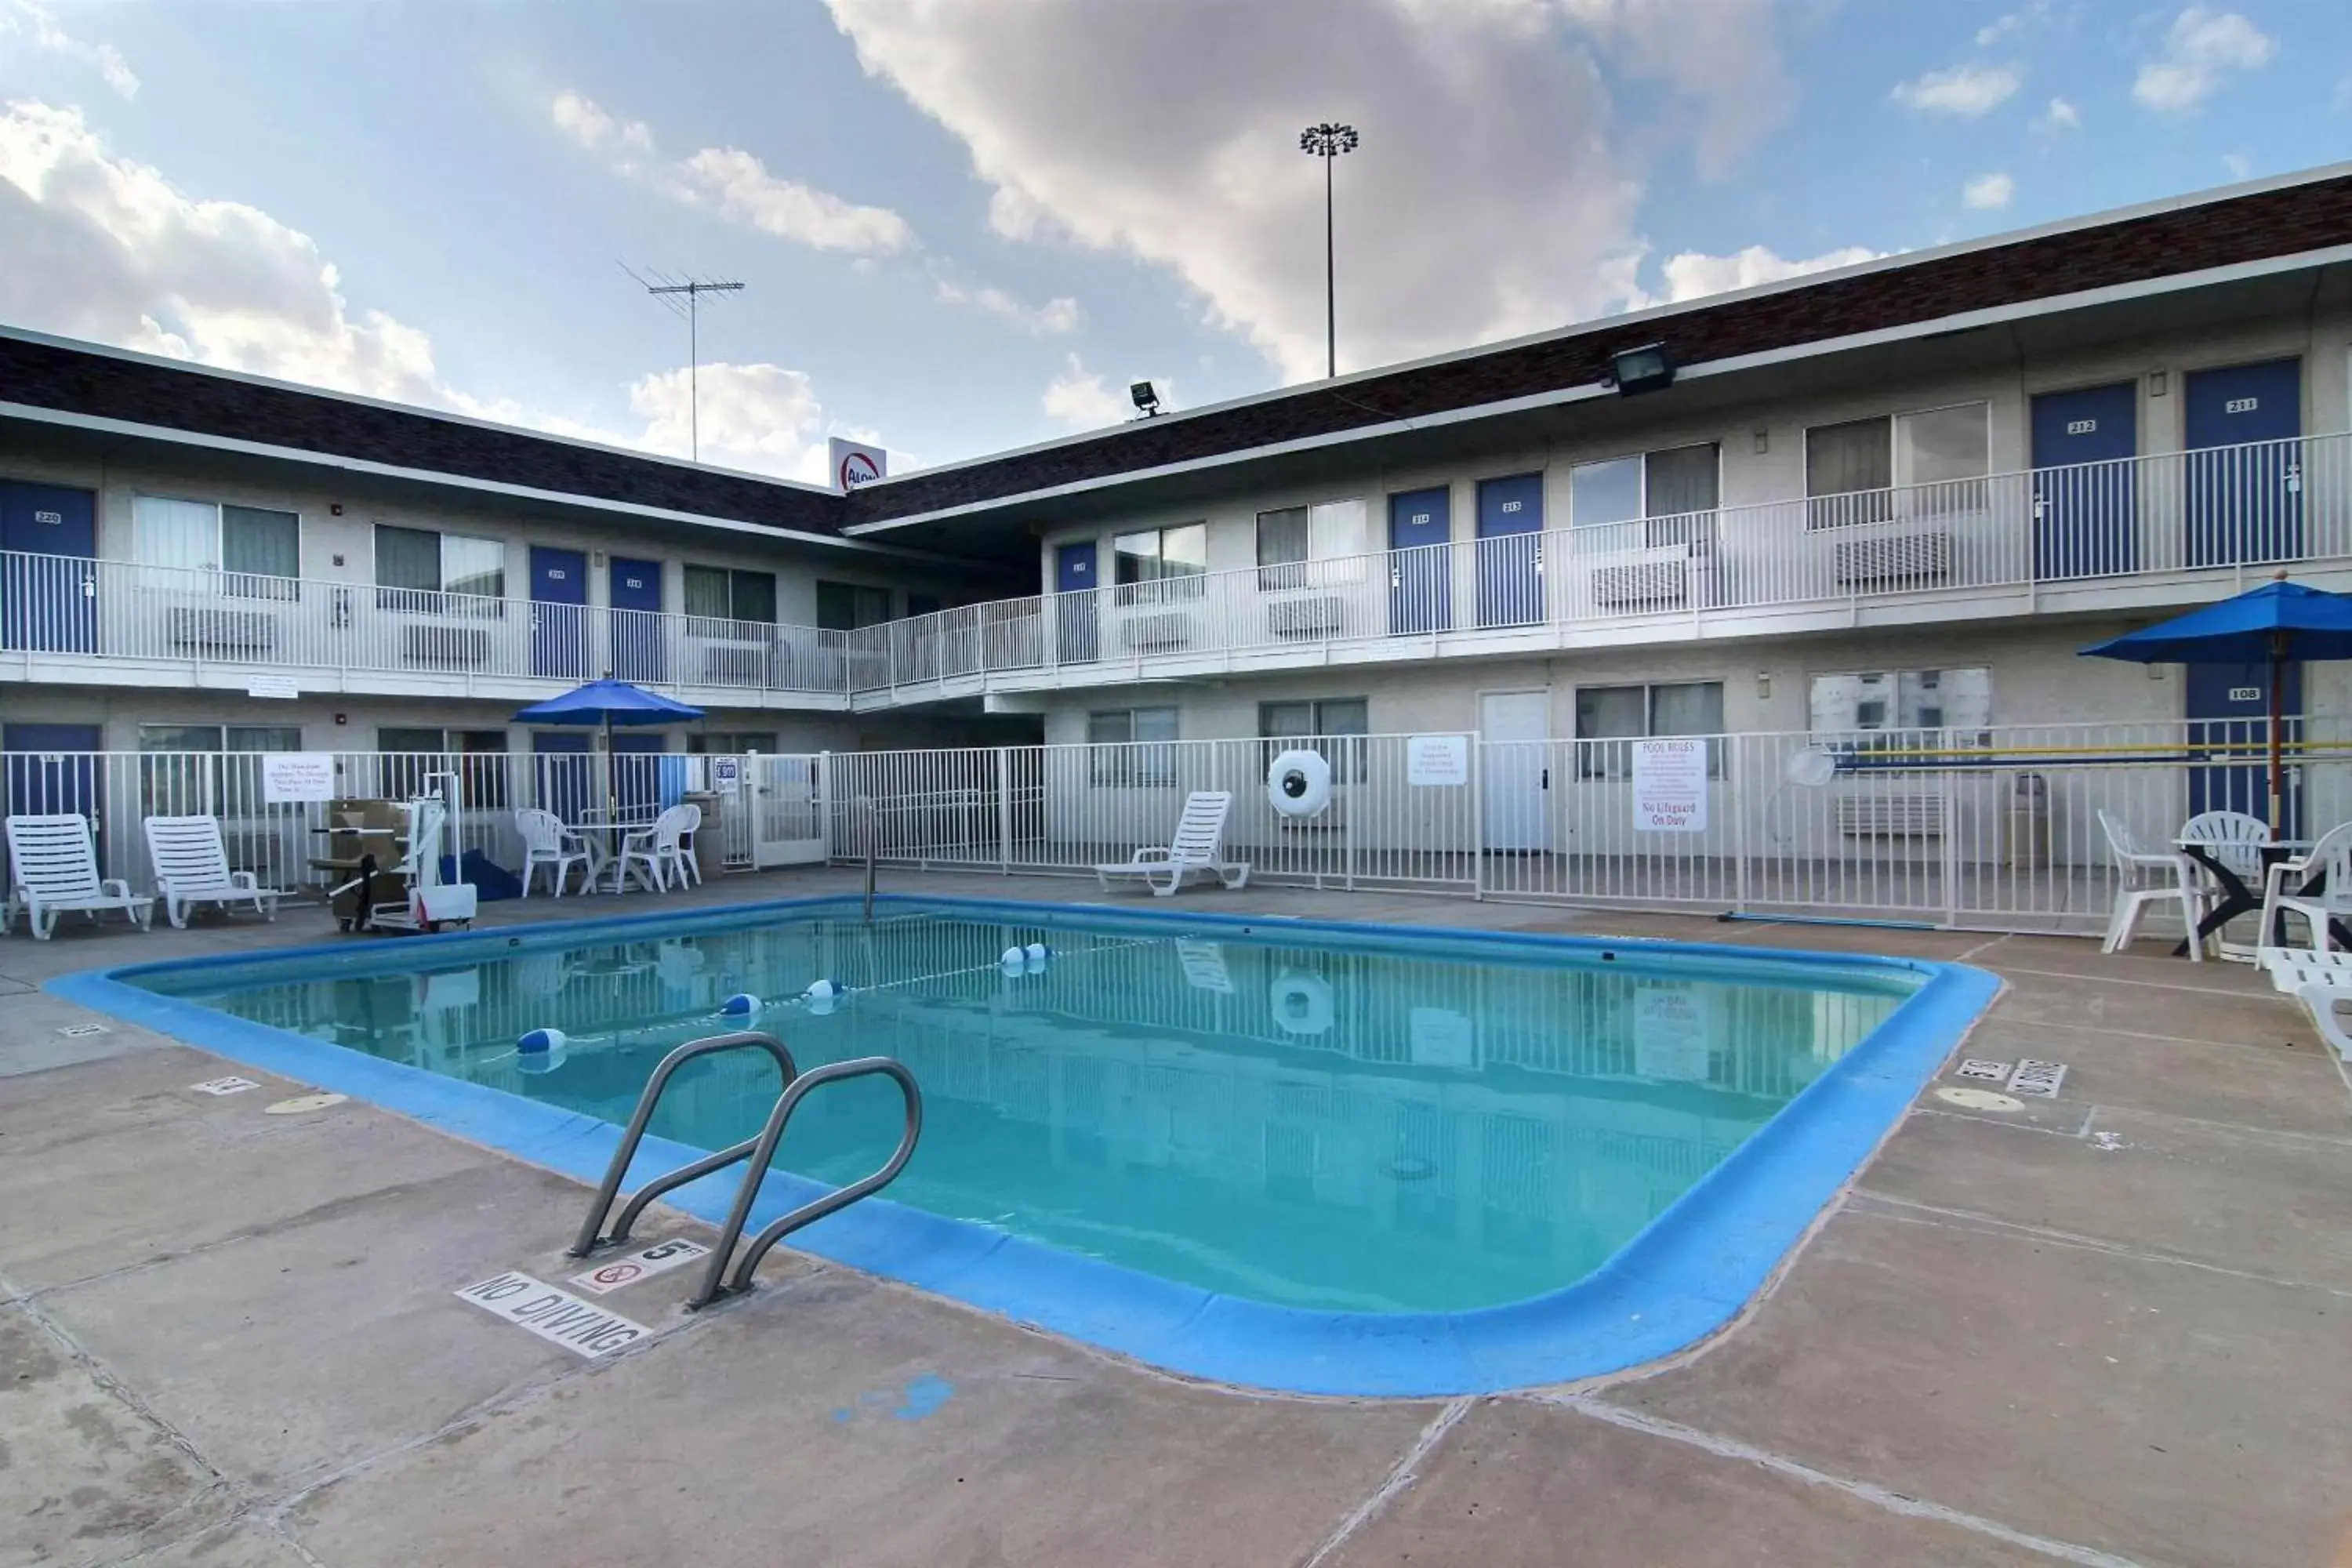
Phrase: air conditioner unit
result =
(234, 634)
(1653, 579)
(1890, 815)
(1921, 558)
(1163, 632)
(1306, 617)
(735, 664)
(444, 648)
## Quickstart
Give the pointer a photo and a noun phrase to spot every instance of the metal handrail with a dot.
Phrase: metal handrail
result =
(741, 1039)
(816, 1077)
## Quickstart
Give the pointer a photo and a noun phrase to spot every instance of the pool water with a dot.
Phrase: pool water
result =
(1367, 1122)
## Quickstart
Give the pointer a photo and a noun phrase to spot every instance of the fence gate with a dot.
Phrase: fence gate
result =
(787, 810)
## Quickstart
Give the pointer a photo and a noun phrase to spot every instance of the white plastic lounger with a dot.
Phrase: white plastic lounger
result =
(1197, 851)
(2320, 997)
(53, 868)
(2293, 968)
(192, 868)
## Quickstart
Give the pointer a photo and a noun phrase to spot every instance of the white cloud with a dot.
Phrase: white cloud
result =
(1057, 315)
(1494, 194)
(2016, 22)
(1694, 275)
(108, 249)
(33, 20)
(1965, 91)
(2201, 50)
(1987, 192)
(2060, 116)
(1077, 398)
(732, 182)
(2238, 163)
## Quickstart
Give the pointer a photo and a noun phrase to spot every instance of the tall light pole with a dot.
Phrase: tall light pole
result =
(1326, 142)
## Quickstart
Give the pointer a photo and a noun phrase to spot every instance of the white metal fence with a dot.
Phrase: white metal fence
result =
(2224, 507)
(1996, 828)
(277, 840)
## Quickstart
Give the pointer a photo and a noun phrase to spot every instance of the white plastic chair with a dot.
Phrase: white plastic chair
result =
(547, 841)
(2333, 856)
(53, 868)
(1196, 850)
(2147, 878)
(652, 853)
(690, 866)
(2231, 837)
(192, 868)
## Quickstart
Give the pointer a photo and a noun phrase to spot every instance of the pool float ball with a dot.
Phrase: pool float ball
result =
(541, 1050)
(742, 1004)
(824, 996)
(1012, 959)
(1037, 954)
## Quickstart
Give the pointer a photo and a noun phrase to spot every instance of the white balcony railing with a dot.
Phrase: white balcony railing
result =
(56, 604)
(2260, 505)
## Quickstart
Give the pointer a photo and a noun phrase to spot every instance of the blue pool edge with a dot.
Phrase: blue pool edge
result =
(1692, 1269)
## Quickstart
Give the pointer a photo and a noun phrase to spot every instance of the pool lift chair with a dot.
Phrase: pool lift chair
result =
(425, 902)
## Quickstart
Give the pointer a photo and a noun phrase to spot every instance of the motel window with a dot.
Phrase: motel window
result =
(418, 569)
(1676, 488)
(1131, 746)
(1609, 716)
(1160, 564)
(1290, 538)
(1333, 726)
(183, 772)
(1868, 707)
(1282, 548)
(1941, 456)
(724, 594)
(411, 755)
(255, 551)
(731, 742)
(846, 607)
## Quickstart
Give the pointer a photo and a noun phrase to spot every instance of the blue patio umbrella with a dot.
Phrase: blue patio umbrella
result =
(2276, 622)
(608, 702)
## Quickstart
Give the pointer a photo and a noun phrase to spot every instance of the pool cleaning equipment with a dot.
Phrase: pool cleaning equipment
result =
(422, 831)
(1298, 783)
(541, 1050)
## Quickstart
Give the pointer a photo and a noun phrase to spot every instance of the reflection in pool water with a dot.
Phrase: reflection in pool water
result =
(1411, 1126)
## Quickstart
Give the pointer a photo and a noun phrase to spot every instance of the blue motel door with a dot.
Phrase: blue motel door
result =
(639, 653)
(50, 770)
(2228, 707)
(559, 614)
(1421, 568)
(1077, 572)
(1510, 551)
(48, 585)
(2085, 488)
(2245, 502)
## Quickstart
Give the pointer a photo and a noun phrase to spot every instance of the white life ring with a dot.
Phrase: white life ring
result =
(1302, 1003)
(1298, 783)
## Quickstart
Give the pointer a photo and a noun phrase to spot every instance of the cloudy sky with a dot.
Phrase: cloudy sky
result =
(966, 224)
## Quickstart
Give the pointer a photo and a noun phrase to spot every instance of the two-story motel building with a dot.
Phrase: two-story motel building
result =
(1901, 495)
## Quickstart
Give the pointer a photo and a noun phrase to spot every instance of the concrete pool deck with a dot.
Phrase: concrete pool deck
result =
(2115, 1327)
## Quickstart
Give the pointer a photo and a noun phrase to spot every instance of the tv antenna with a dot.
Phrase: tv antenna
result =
(683, 296)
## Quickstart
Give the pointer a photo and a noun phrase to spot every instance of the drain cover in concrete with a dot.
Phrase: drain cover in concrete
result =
(1979, 1100)
(224, 1086)
(2037, 1080)
(1979, 1066)
(302, 1103)
(83, 1031)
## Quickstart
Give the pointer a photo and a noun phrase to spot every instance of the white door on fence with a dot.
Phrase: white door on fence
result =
(1514, 768)
(787, 818)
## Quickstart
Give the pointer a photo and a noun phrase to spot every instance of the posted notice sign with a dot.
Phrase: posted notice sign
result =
(1434, 759)
(298, 775)
(1670, 786)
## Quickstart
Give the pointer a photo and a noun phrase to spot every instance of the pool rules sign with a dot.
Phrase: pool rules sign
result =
(1670, 785)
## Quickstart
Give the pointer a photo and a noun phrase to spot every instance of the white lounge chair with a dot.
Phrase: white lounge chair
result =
(192, 868)
(2320, 997)
(2148, 877)
(53, 868)
(2293, 968)
(653, 853)
(547, 841)
(2332, 856)
(1197, 851)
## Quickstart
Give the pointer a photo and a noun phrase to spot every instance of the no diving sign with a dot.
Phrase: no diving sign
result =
(557, 1316)
(642, 1264)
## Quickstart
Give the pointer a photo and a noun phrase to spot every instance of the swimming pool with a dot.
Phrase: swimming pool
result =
(1305, 1155)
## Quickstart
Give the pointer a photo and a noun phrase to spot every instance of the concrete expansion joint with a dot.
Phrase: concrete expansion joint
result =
(1401, 1475)
(1868, 1493)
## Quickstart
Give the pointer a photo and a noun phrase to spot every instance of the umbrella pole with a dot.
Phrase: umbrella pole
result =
(612, 790)
(2278, 721)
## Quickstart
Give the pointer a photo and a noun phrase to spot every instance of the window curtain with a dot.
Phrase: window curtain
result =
(407, 558)
(710, 594)
(474, 566)
(260, 544)
(1842, 460)
(178, 533)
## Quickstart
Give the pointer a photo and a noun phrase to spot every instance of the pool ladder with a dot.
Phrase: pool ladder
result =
(716, 1283)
